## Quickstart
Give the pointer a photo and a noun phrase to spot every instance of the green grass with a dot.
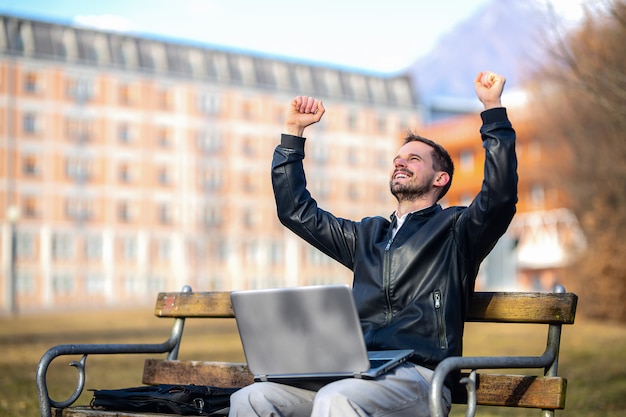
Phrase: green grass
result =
(593, 356)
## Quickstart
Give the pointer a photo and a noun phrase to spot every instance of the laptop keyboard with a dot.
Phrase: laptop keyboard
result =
(375, 363)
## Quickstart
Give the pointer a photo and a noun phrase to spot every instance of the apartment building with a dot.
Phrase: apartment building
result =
(131, 165)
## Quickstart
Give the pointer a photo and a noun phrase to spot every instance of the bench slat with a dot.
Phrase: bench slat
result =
(219, 374)
(83, 411)
(492, 389)
(194, 304)
(528, 391)
(549, 308)
(558, 308)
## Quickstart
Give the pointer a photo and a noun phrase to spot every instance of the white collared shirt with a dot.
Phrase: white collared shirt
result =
(400, 221)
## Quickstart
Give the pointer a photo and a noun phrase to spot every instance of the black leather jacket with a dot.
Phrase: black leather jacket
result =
(411, 292)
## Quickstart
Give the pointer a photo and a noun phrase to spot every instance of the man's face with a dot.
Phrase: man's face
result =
(412, 176)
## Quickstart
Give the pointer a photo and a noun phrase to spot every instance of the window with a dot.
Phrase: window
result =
(534, 149)
(281, 75)
(320, 187)
(78, 169)
(321, 280)
(209, 103)
(211, 216)
(353, 122)
(247, 111)
(466, 199)
(80, 89)
(164, 176)
(132, 284)
(124, 173)
(401, 91)
(383, 160)
(25, 245)
(25, 282)
(62, 246)
(332, 81)
(382, 123)
(466, 160)
(252, 253)
(94, 283)
(124, 132)
(79, 209)
(31, 83)
(165, 99)
(303, 78)
(537, 195)
(164, 137)
(276, 253)
(165, 214)
(164, 250)
(156, 283)
(62, 283)
(29, 123)
(353, 156)
(211, 179)
(93, 247)
(29, 206)
(359, 86)
(79, 130)
(209, 140)
(249, 146)
(246, 69)
(125, 95)
(377, 89)
(129, 248)
(315, 257)
(353, 191)
(125, 212)
(319, 152)
(250, 217)
(248, 183)
(30, 167)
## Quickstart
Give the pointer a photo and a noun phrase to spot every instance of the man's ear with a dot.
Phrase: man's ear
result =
(441, 179)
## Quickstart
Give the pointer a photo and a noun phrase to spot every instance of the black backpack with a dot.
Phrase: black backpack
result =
(165, 398)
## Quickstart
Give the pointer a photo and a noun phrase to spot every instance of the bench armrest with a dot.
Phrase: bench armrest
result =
(457, 363)
(170, 346)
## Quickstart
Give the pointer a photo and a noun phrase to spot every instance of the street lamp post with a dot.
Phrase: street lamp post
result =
(13, 215)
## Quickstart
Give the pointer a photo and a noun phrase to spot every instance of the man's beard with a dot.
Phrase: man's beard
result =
(410, 191)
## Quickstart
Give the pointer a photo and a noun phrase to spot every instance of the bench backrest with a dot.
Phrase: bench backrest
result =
(493, 307)
(544, 392)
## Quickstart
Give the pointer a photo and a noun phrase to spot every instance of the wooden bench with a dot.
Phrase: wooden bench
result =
(545, 391)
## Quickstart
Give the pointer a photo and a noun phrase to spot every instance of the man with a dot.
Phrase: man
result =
(413, 275)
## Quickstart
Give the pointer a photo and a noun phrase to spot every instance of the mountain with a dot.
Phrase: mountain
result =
(507, 37)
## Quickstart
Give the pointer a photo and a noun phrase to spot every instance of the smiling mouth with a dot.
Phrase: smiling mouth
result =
(401, 175)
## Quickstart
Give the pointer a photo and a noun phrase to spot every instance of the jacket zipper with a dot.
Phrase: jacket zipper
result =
(387, 281)
(441, 325)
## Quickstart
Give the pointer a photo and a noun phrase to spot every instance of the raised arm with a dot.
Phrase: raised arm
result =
(493, 208)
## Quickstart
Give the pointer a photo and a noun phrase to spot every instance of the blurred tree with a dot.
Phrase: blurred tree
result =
(581, 95)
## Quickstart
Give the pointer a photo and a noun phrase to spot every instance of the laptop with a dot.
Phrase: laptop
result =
(306, 333)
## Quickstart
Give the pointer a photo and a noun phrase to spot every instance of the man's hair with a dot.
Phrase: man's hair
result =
(441, 158)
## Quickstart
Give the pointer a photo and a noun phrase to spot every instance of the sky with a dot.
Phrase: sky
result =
(380, 36)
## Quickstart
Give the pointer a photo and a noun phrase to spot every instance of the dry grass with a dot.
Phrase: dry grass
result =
(593, 356)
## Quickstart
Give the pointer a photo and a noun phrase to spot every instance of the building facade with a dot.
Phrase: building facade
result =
(132, 165)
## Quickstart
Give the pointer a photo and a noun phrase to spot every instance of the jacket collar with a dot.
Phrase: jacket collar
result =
(426, 212)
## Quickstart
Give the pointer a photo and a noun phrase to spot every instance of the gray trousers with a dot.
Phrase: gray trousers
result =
(403, 391)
